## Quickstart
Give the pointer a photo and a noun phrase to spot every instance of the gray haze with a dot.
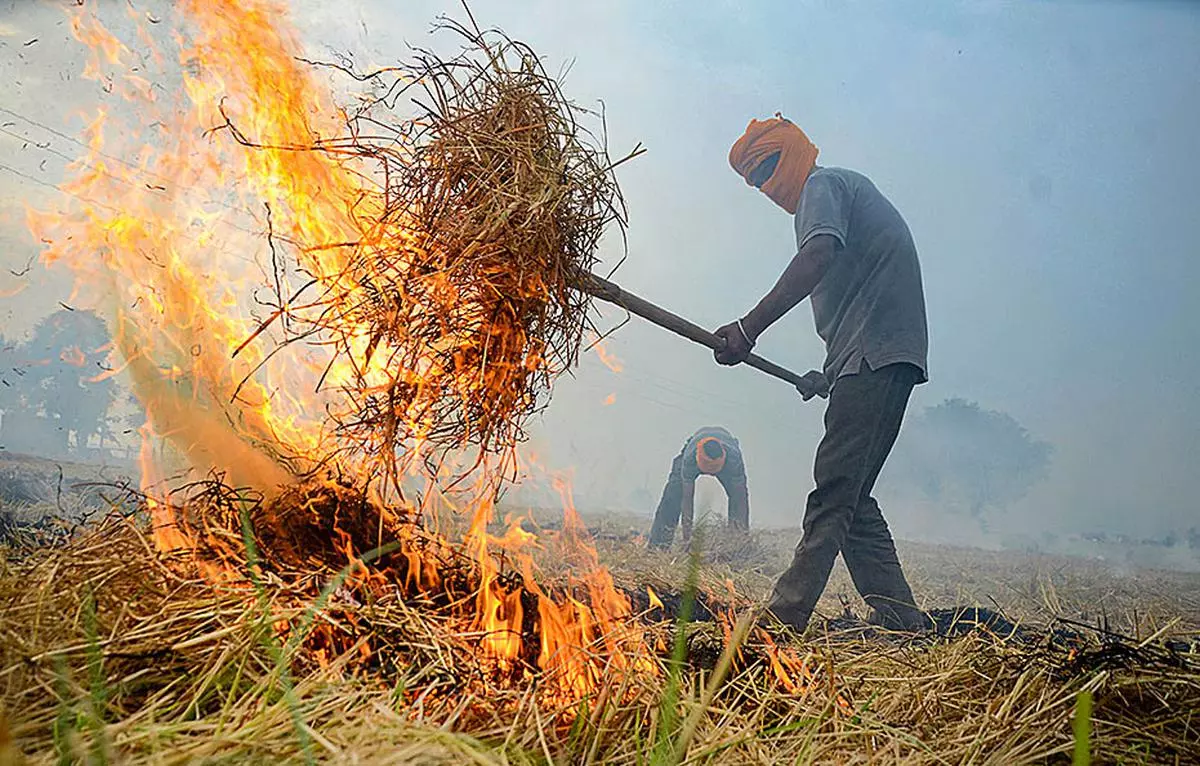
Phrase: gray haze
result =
(1043, 155)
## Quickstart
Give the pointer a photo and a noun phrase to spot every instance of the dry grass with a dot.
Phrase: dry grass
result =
(1032, 587)
(111, 654)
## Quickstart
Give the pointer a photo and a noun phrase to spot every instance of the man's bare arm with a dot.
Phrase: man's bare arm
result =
(794, 285)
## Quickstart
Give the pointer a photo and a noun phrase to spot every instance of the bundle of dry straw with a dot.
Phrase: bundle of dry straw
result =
(481, 212)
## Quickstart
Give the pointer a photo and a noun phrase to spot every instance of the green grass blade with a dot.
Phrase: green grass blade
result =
(97, 687)
(1082, 724)
(668, 714)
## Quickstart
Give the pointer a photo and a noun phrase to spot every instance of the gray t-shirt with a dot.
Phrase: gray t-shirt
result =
(870, 304)
(734, 469)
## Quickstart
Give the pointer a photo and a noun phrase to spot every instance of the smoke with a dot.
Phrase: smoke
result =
(1042, 157)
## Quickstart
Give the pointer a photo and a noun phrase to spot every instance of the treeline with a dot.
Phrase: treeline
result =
(56, 390)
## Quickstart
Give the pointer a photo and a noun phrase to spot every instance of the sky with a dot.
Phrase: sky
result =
(1043, 155)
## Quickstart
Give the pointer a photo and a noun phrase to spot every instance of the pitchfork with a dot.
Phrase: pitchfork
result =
(808, 385)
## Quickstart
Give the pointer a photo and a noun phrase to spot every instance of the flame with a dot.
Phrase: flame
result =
(74, 356)
(190, 240)
(607, 357)
(795, 673)
(162, 242)
(655, 601)
(571, 633)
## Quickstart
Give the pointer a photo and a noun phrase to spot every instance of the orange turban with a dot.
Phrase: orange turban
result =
(706, 464)
(797, 156)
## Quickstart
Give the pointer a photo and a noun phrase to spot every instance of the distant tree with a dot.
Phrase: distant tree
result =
(135, 416)
(964, 457)
(52, 380)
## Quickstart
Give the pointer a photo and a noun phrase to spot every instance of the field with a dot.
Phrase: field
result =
(298, 600)
(33, 488)
(110, 654)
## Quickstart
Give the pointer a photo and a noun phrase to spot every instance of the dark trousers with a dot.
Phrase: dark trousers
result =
(666, 516)
(861, 423)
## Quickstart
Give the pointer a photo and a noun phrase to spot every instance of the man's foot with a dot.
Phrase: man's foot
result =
(790, 617)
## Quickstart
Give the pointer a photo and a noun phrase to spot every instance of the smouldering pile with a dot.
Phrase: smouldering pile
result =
(109, 652)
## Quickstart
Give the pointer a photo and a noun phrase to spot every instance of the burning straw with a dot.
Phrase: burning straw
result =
(422, 272)
(109, 652)
(453, 310)
(456, 306)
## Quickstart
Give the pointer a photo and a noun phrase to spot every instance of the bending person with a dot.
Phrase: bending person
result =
(712, 451)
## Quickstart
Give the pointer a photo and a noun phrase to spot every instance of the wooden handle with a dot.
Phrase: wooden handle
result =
(607, 291)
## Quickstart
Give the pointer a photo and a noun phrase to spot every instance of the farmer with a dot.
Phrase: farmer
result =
(857, 262)
(712, 451)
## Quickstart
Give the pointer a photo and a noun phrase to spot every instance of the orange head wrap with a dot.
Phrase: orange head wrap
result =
(706, 464)
(797, 156)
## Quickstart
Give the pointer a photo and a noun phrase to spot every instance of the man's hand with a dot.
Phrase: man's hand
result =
(735, 347)
(813, 383)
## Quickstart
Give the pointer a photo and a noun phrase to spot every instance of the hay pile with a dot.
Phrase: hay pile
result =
(457, 305)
